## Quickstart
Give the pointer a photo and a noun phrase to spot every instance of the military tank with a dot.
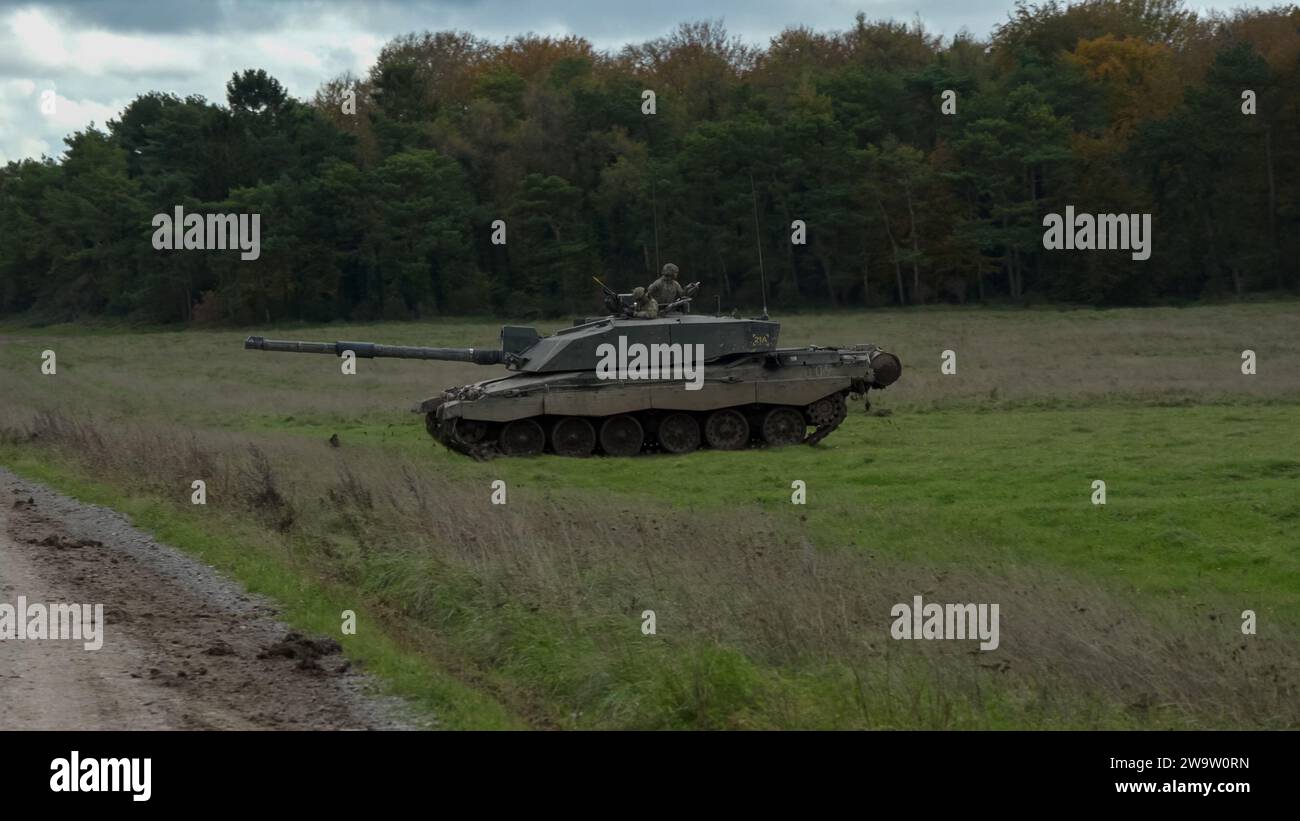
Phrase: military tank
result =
(580, 391)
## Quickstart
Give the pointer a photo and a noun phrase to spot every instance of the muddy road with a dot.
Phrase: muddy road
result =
(183, 647)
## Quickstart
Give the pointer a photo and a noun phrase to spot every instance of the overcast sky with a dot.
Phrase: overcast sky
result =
(95, 56)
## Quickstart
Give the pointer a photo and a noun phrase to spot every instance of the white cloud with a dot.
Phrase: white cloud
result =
(43, 44)
(95, 73)
(286, 52)
(73, 115)
(99, 52)
(21, 86)
(38, 39)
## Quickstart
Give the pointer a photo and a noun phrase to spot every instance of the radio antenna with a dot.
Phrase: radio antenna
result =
(758, 240)
(654, 206)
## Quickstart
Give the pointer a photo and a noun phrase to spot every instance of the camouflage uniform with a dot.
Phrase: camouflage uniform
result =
(644, 306)
(666, 289)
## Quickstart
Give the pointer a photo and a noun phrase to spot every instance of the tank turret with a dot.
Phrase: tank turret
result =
(569, 349)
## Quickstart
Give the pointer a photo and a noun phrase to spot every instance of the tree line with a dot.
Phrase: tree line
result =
(921, 169)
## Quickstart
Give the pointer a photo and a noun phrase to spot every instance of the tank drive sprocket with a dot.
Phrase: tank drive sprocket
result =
(826, 414)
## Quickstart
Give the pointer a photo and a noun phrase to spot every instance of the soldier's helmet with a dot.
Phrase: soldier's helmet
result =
(670, 271)
(638, 293)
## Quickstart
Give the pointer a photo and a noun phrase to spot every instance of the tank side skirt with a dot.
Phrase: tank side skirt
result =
(834, 412)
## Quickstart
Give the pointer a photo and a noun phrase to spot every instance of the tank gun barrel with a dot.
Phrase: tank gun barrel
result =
(370, 350)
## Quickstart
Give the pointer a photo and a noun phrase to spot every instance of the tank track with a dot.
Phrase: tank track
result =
(447, 435)
(764, 426)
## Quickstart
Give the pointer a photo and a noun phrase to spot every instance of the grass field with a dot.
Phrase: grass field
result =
(968, 487)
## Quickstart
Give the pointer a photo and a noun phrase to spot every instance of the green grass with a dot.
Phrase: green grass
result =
(1185, 513)
(1193, 494)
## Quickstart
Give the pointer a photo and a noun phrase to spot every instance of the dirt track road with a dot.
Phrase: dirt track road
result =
(184, 648)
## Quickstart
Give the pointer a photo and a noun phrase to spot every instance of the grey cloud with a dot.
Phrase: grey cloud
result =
(154, 16)
(596, 19)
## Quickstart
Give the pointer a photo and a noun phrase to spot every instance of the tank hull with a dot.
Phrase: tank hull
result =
(772, 398)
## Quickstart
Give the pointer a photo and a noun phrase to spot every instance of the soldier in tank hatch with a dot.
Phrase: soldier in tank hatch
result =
(666, 289)
(644, 306)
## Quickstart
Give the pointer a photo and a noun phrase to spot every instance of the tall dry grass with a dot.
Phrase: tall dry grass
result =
(496, 585)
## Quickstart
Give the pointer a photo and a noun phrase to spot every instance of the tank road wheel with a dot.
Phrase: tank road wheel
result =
(679, 433)
(622, 436)
(783, 426)
(522, 437)
(573, 436)
(726, 430)
(469, 431)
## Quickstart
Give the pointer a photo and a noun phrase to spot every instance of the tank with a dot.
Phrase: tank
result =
(623, 386)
